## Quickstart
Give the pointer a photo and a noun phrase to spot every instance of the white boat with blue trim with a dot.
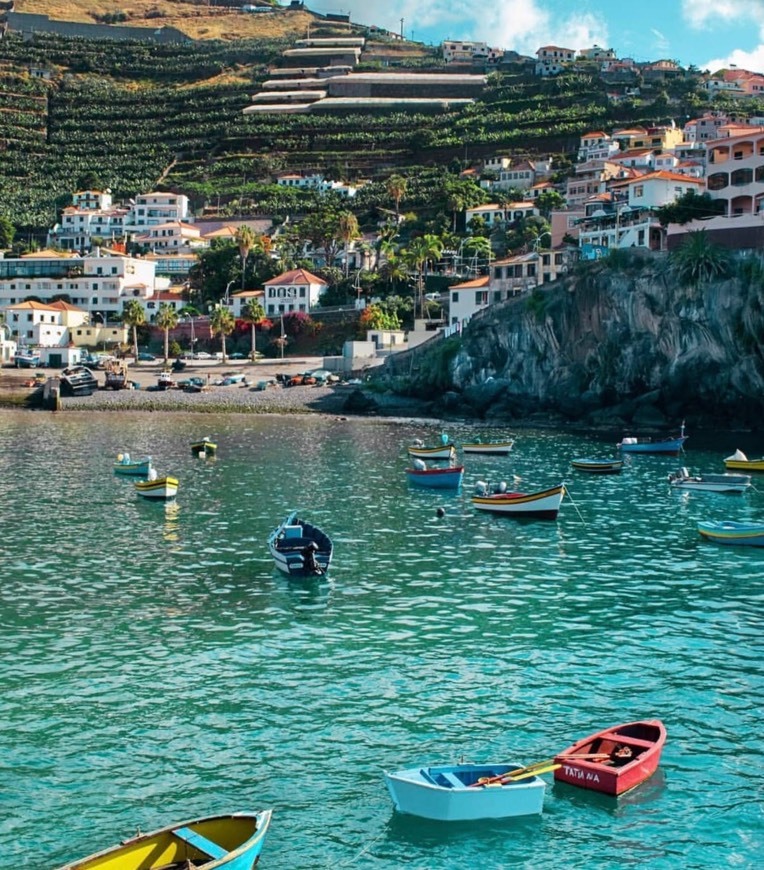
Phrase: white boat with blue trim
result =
(299, 548)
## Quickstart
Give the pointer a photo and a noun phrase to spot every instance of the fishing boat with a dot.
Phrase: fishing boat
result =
(542, 505)
(435, 478)
(465, 792)
(598, 466)
(300, 549)
(740, 462)
(78, 381)
(445, 451)
(26, 359)
(735, 534)
(670, 445)
(614, 760)
(205, 447)
(493, 448)
(230, 842)
(682, 479)
(160, 488)
(115, 375)
(166, 381)
(137, 467)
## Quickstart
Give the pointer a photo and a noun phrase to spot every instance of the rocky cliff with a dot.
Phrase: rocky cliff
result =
(624, 347)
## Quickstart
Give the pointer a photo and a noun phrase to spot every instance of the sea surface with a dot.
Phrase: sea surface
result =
(154, 667)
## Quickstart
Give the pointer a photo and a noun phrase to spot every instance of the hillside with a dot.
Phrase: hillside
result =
(170, 115)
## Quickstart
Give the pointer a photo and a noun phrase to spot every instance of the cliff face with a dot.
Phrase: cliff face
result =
(608, 347)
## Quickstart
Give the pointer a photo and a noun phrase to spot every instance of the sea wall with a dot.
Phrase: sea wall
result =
(617, 347)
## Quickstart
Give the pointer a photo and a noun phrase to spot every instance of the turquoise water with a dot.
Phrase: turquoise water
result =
(155, 667)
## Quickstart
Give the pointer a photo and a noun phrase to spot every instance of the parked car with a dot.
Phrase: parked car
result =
(237, 355)
(202, 355)
(146, 357)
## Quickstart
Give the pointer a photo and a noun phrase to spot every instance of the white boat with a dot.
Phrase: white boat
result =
(445, 451)
(158, 488)
(495, 448)
(543, 505)
(465, 792)
(682, 479)
(300, 549)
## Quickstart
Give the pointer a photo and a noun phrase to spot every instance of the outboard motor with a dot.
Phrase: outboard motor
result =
(481, 488)
(420, 465)
(502, 487)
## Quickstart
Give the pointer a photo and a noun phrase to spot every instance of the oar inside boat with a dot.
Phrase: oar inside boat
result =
(519, 773)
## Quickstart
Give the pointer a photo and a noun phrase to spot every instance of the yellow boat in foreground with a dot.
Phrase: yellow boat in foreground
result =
(740, 462)
(231, 842)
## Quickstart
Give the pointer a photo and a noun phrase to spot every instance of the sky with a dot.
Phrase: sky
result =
(711, 34)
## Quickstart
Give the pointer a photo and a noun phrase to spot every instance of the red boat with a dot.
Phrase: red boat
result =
(615, 760)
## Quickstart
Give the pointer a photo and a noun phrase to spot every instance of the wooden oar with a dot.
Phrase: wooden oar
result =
(583, 756)
(514, 774)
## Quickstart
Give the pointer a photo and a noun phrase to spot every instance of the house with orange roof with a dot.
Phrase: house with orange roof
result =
(468, 297)
(172, 236)
(705, 127)
(493, 213)
(553, 59)
(295, 290)
(242, 298)
(596, 145)
(636, 158)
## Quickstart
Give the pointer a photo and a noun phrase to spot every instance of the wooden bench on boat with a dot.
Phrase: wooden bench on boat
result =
(201, 843)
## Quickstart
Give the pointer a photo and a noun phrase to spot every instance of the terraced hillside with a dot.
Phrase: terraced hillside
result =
(151, 115)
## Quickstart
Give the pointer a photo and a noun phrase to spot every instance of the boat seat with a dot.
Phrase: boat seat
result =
(201, 843)
(292, 531)
(634, 742)
(452, 781)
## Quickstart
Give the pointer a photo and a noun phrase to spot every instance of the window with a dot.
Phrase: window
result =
(717, 181)
(455, 296)
(639, 190)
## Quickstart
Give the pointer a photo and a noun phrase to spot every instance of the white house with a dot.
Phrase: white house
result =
(240, 300)
(153, 209)
(467, 298)
(95, 283)
(492, 213)
(172, 236)
(296, 290)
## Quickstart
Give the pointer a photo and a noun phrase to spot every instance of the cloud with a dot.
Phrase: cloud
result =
(662, 44)
(748, 60)
(701, 14)
(521, 25)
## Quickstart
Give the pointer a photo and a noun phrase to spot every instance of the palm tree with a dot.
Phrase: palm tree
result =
(166, 319)
(419, 253)
(396, 188)
(698, 260)
(223, 322)
(253, 314)
(245, 239)
(134, 316)
(347, 224)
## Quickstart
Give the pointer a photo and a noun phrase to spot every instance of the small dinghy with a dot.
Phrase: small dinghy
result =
(543, 505)
(740, 462)
(598, 466)
(732, 533)
(465, 792)
(300, 549)
(205, 447)
(160, 488)
(445, 450)
(232, 842)
(682, 479)
(435, 478)
(491, 448)
(614, 760)
(137, 467)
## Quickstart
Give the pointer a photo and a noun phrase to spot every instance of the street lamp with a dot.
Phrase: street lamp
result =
(103, 323)
(226, 298)
(537, 241)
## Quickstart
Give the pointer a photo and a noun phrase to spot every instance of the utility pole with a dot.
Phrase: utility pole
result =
(401, 28)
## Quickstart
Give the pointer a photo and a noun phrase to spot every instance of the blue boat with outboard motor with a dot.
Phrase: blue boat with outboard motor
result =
(299, 548)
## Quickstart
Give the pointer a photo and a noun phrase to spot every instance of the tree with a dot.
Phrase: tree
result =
(698, 260)
(688, 207)
(419, 253)
(7, 232)
(548, 201)
(347, 224)
(322, 229)
(222, 323)
(396, 186)
(134, 316)
(245, 241)
(253, 314)
(166, 319)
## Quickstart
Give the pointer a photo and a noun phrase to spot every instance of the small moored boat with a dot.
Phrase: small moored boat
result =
(230, 842)
(614, 760)
(445, 451)
(492, 448)
(137, 467)
(671, 445)
(157, 487)
(205, 447)
(598, 466)
(682, 479)
(300, 549)
(26, 359)
(462, 792)
(733, 533)
(435, 478)
(543, 505)
(77, 381)
(740, 462)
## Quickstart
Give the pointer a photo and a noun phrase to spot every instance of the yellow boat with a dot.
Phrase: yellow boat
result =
(158, 487)
(740, 462)
(231, 842)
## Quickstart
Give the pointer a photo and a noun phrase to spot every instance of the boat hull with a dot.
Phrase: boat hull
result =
(598, 466)
(290, 547)
(436, 478)
(446, 452)
(496, 448)
(204, 448)
(669, 446)
(644, 740)
(162, 488)
(710, 482)
(443, 793)
(744, 464)
(544, 505)
(140, 468)
(733, 534)
(237, 840)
